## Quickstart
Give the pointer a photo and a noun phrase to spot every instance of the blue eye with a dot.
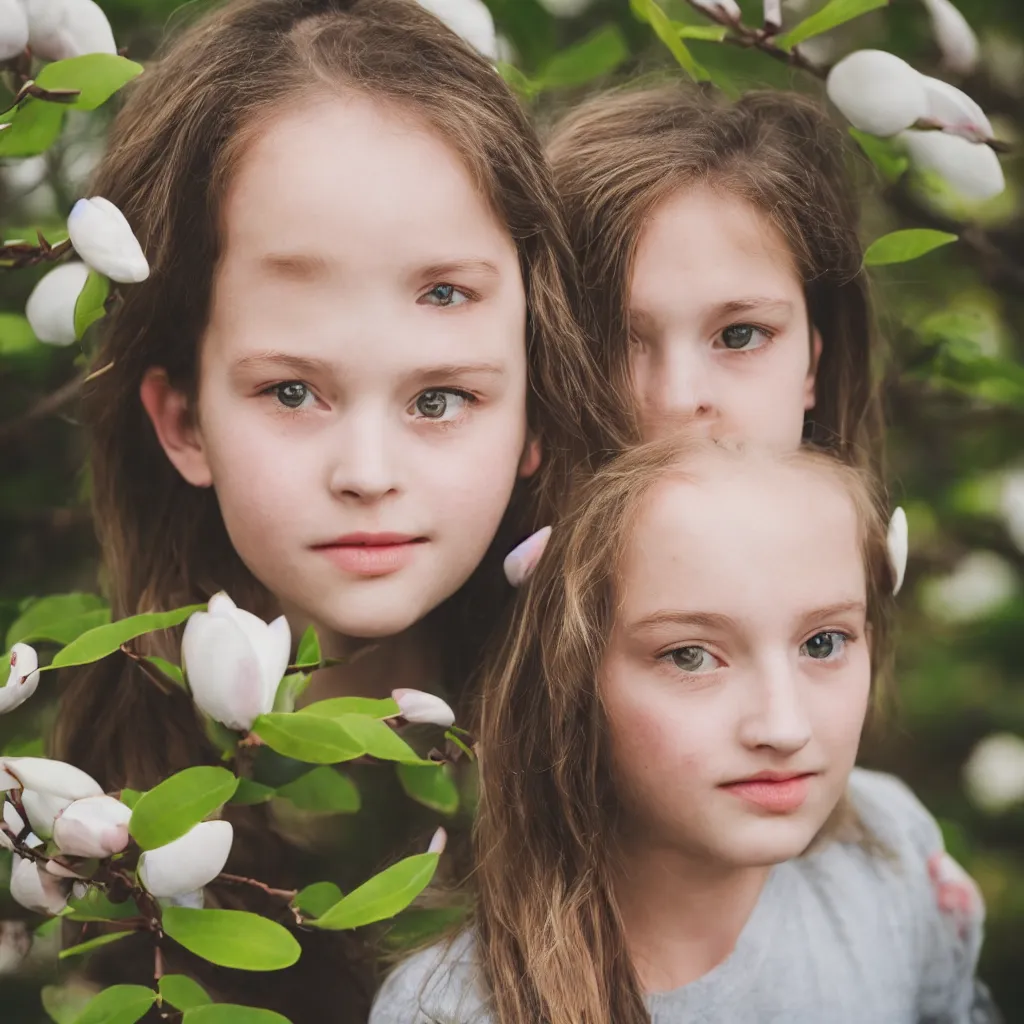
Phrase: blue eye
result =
(744, 337)
(825, 646)
(445, 295)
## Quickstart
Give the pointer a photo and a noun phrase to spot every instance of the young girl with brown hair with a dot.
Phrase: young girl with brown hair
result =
(351, 380)
(671, 826)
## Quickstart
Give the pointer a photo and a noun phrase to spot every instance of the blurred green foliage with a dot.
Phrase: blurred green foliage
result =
(953, 323)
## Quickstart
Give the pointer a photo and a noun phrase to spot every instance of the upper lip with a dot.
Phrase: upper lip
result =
(370, 540)
(769, 776)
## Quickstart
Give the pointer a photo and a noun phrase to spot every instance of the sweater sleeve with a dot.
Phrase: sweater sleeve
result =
(943, 897)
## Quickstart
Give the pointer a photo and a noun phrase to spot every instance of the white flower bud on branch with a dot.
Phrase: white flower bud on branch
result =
(188, 863)
(94, 827)
(13, 29)
(51, 306)
(420, 707)
(37, 890)
(955, 37)
(22, 680)
(877, 92)
(718, 9)
(47, 788)
(234, 662)
(59, 29)
(105, 241)
(971, 169)
(469, 19)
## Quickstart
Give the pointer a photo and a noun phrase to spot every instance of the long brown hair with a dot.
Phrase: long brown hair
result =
(551, 943)
(171, 155)
(618, 155)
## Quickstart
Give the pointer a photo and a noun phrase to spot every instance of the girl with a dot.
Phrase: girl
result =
(352, 377)
(679, 833)
(719, 247)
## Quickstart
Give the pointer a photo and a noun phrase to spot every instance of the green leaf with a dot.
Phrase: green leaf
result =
(838, 12)
(90, 305)
(382, 896)
(228, 1013)
(130, 797)
(432, 787)
(64, 1003)
(889, 162)
(181, 992)
(98, 643)
(598, 54)
(169, 669)
(232, 938)
(516, 80)
(379, 740)
(249, 793)
(418, 926)
(307, 738)
(318, 898)
(309, 654)
(903, 246)
(335, 707)
(179, 803)
(709, 33)
(45, 618)
(649, 11)
(35, 127)
(323, 790)
(95, 906)
(16, 335)
(121, 1004)
(291, 687)
(97, 76)
(88, 947)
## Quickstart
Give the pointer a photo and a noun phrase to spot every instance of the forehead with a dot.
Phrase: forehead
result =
(744, 537)
(710, 238)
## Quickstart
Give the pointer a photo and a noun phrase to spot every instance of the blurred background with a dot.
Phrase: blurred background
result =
(953, 327)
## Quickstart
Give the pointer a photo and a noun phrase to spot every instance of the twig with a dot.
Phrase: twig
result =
(287, 894)
(150, 670)
(18, 255)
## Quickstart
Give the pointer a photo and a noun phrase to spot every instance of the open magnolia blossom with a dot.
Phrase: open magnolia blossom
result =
(37, 890)
(47, 788)
(189, 863)
(469, 19)
(899, 547)
(105, 241)
(523, 558)
(955, 37)
(726, 8)
(234, 661)
(13, 29)
(51, 306)
(59, 29)
(22, 679)
(94, 827)
(425, 708)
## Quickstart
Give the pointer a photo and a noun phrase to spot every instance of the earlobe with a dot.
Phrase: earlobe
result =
(810, 384)
(168, 411)
(530, 461)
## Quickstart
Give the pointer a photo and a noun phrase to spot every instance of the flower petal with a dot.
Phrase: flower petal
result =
(13, 29)
(522, 559)
(23, 678)
(36, 890)
(954, 35)
(94, 827)
(51, 306)
(469, 19)
(104, 239)
(971, 169)
(188, 863)
(60, 29)
(417, 706)
(899, 546)
(877, 92)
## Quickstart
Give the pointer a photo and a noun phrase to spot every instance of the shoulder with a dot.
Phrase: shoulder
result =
(893, 815)
(438, 985)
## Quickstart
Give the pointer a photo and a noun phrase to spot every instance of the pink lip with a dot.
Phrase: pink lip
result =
(371, 554)
(778, 792)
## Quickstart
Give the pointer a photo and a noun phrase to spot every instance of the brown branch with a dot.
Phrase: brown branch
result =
(18, 255)
(286, 894)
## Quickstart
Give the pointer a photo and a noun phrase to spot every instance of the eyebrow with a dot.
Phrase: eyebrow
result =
(759, 303)
(305, 366)
(722, 623)
(445, 268)
(294, 265)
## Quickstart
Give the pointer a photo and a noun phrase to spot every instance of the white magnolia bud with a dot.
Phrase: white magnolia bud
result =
(994, 773)
(728, 8)
(956, 38)
(23, 678)
(417, 706)
(899, 546)
(105, 240)
(14, 825)
(15, 944)
(523, 558)
(877, 92)
(565, 8)
(13, 29)
(51, 306)
(971, 169)
(94, 827)
(234, 661)
(955, 109)
(188, 863)
(47, 788)
(59, 29)
(438, 842)
(36, 890)
(469, 19)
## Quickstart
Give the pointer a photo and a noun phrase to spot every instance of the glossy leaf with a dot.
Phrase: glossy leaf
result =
(881, 152)
(179, 803)
(903, 246)
(232, 938)
(250, 793)
(169, 669)
(431, 786)
(91, 944)
(833, 14)
(16, 335)
(90, 305)
(307, 738)
(318, 898)
(228, 1013)
(181, 992)
(96, 76)
(95, 906)
(323, 790)
(309, 654)
(598, 54)
(120, 1004)
(47, 618)
(666, 31)
(379, 740)
(335, 707)
(35, 127)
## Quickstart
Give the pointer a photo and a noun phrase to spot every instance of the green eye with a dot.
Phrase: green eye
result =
(823, 646)
(691, 659)
(432, 404)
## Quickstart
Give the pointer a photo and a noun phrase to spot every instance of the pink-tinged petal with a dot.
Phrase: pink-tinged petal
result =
(521, 561)
(36, 890)
(877, 92)
(438, 842)
(94, 827)
(188, 863)
(425, 708)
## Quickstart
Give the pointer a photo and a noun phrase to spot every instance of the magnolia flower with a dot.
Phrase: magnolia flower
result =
(23, 678)
(105, 240)
(956, 38)
(523, 558)
(469, 19)
(898, 542)
(565, 8)
(51, 306)
(994, 773)
(773, 14)
(47, 788)
(877, 92)
(955, 110)
(94, 827)
(188, 863)
(37, 890)
(59, 29)
(969, 168)
(417, 706)
(13, 29)
(438, 842)
(727, 8)
(15, 944)
(234, 661)
(14, 825)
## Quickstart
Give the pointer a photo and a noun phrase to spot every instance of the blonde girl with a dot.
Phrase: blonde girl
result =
(671, 826)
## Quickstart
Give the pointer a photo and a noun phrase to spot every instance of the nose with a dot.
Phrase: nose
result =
(776, 716)
(363, 462)
(678, 391)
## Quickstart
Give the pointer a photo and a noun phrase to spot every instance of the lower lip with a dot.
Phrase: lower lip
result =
(371, 559)
(778, 797)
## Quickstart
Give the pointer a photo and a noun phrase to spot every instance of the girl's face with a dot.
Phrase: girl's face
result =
(362, 393)
(739, 650)
(720, 338)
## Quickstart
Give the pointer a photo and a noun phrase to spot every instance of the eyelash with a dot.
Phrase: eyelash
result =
(274, 390)
(845, 636)
(769, 337)
(469, 296)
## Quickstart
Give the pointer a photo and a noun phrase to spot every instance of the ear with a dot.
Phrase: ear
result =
(529, 463)
(810, 396)
(175, 427)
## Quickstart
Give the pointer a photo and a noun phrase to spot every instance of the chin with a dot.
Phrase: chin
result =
(772, 842)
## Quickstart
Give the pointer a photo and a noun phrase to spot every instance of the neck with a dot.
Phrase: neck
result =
(682, 914)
